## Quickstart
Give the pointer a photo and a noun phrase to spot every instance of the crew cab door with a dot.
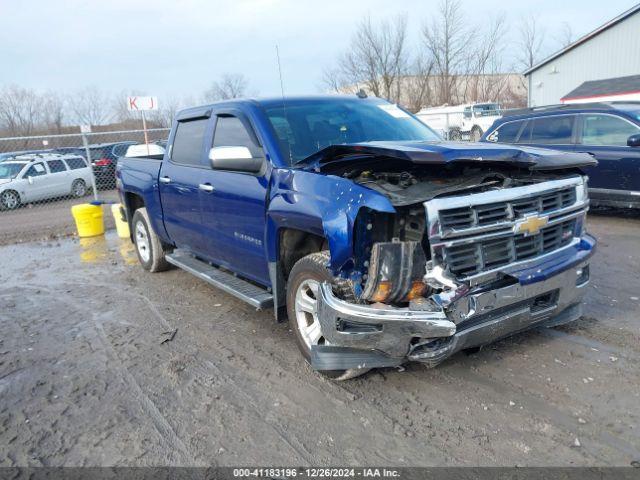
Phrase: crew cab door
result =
(35, 182)
(605, 137)
(233, 201)
(180, 175)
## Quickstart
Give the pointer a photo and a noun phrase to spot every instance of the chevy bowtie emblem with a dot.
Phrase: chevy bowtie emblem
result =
(531, 225)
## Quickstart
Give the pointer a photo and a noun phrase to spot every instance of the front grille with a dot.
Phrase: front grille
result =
(486, 254)
(489, 214)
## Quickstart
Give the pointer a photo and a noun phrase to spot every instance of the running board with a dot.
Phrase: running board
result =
(245, 291)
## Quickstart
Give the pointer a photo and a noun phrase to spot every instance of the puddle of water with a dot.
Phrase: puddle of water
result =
(99, 249)
(127, 251)
(93, 249)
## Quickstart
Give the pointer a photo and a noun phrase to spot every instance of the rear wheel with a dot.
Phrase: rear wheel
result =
(302, 299)
(9, 200)
(148, 244)
(78, 188)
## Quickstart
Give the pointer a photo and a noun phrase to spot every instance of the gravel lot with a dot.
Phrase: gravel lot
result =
(47, 220)
(85, 378)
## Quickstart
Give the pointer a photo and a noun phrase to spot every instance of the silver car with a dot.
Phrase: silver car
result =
(29, 178)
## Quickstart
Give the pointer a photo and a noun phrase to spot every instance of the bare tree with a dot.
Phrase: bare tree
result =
(565, 35)
(417, 87)
(447, 40)
(90, 106)
(53, 112)
(376, 59)
(530, 41)
(20, 110)
(230, 85)
(483, 80)
(166, 112)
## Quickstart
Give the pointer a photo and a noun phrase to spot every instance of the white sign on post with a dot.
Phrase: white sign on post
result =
(137, 104)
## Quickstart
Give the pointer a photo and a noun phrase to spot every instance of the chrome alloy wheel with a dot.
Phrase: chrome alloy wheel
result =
(306, 308)
(142, 242)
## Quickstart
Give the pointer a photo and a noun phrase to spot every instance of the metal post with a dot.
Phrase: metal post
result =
(144, 127)
(447, 125)
(85, 142)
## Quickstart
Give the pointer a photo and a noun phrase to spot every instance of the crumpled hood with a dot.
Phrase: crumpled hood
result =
(441, 153)
(4, 180)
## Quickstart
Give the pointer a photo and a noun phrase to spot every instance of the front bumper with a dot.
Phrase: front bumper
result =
(363, 336)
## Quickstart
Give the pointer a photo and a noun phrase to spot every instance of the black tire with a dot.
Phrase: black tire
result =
(476, 134)
(312, 267)
(78, 188)
(10, 200)
(148, 245)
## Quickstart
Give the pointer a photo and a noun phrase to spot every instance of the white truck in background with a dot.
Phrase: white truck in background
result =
(460, 122)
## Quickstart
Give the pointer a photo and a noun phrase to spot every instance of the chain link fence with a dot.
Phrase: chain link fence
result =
(42, 177)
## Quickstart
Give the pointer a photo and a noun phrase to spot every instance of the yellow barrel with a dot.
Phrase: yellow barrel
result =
(122, 227)
(88, 219)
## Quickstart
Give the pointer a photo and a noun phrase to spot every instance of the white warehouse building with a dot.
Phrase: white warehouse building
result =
(610, 52)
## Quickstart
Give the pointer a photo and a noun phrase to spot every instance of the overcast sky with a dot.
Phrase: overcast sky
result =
(171, 47)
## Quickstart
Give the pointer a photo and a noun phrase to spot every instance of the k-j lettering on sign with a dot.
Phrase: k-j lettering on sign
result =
(137, 104)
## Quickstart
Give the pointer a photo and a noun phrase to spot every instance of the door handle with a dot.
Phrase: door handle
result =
(206, 187)
(165, 180)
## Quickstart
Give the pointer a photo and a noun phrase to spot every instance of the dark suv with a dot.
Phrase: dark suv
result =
(104, 157)
(608, 131)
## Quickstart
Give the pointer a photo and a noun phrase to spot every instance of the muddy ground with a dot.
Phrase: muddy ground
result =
(85, 378)
(49, 219)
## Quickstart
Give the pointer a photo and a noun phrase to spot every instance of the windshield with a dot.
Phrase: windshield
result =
(305, 127)
(10, 170)
(486, 109)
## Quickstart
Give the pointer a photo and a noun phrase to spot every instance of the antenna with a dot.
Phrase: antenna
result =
(284, 107)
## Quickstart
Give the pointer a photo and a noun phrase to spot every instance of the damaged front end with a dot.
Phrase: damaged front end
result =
(472, 263)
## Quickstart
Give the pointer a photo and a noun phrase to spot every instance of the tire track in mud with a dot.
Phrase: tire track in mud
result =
(533, 403)
(160, 423)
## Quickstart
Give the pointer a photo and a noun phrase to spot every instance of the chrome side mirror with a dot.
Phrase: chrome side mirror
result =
(30, 180)
(235, 159)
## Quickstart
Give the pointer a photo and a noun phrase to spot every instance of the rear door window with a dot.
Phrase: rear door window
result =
(551, 130)
(507, 133)
(56, 166)
(187, 144)
(75, 163)
(606, 130)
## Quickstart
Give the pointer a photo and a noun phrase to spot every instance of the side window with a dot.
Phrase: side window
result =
(56, 166)
(507, 133)
(187, 144)
(606, 130)
(552, 130)
(76, 163)
(35, 170)
(230, 132)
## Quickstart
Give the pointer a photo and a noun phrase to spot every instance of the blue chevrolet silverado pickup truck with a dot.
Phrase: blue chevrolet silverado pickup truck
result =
(380, 242)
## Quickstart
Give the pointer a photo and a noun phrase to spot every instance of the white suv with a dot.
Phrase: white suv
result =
(29, 178)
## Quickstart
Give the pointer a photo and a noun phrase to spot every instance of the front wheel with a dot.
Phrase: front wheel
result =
(9, 200)
(302, 299)
(148, 244)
